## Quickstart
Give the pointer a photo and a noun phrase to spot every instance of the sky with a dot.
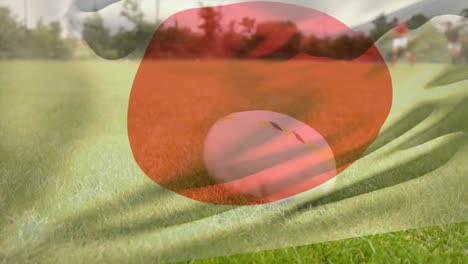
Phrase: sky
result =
(351, 13)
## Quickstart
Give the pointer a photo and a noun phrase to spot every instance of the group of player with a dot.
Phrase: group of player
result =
(457, 38)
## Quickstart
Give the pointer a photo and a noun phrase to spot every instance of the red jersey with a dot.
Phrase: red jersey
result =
(401, 30)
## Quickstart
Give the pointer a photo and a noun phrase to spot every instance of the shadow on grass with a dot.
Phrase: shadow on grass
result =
(87, 221)
(53, 104)
(251, 234)
(242, 238)
(89, 225)
(419, 166)
(401, 126)
(404, 172)
(454, 121)
(451, 75)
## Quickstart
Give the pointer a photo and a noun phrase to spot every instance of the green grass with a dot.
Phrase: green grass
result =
(453, 74)
(70, 190)
(444, 244)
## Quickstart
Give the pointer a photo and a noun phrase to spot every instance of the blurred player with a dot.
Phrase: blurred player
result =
(400, 41)
(464, 38)
(452, 34)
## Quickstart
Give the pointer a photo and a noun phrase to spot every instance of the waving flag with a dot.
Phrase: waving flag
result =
(242, 127)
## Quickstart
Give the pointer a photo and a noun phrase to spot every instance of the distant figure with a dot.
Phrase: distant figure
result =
(454, 42)
(464, 38)
(400, 41)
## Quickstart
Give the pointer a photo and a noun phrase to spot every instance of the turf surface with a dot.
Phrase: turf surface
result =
(443, 244)
(71, 192)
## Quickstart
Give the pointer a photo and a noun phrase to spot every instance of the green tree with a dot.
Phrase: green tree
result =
(231, 40)
(9, 34)
(464, 12)
(344, 47)
(277, 39)
(248, 26)
(60, 48)
(211, 25)
(46, 41)
(311, 45)
(42, 42)
(416, 21)
(131, 10)
(119, 44)
(97, 36)
(381, 26)
(134, 42)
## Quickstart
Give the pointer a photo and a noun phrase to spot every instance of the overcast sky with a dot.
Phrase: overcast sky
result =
(352, 13)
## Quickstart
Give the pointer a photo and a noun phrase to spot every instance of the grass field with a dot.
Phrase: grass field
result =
(444, 244)
(70, 190)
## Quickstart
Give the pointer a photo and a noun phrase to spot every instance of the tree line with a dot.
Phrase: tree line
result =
(212, 38)
(235, 39)
(231, 39)
(45, 41)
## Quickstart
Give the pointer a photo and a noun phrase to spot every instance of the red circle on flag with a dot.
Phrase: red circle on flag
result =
(204, 64)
